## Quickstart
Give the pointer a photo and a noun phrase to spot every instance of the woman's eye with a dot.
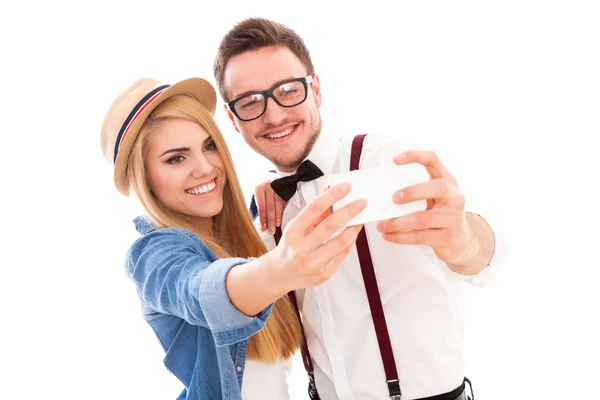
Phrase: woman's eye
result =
(210, 146)
(175, 159)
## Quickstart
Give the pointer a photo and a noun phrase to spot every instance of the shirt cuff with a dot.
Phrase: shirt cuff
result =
(500, 250)
(228, 324)
(483, 277)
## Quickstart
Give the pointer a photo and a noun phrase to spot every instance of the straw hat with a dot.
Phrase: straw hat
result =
(129, 111)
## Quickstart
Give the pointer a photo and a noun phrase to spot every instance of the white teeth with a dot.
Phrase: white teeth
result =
(282, 134)
(209, 187)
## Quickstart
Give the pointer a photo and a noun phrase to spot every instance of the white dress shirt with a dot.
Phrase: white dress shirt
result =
(422, 299)
(262, 381)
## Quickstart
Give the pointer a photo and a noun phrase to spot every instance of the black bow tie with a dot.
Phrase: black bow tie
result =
(286, 187)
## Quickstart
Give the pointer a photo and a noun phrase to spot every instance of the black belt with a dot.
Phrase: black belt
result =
(460, 393)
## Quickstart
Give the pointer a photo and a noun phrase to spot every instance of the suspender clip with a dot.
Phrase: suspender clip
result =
(312, 388)
(394, 389)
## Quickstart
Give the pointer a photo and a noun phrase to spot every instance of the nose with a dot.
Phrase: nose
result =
(274, 114)
(202, 167)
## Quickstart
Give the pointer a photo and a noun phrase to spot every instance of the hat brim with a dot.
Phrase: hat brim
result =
(198, 88)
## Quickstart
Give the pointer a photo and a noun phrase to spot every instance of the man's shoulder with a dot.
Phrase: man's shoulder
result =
(380, 149)
(378, 140)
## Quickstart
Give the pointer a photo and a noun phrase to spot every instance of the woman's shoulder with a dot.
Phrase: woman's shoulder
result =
(155, 239)
(147, 227)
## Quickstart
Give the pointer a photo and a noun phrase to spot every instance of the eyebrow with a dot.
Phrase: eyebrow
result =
(279, 82)
(183, 149)
(177, 150)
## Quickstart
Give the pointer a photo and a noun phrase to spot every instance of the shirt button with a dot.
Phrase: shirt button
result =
(238, 368)
(322, 307)
(336, 359)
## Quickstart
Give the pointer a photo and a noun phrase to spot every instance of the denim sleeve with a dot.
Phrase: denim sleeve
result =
(173, 276)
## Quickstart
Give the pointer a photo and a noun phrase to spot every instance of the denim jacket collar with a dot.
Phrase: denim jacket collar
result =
(144, 225)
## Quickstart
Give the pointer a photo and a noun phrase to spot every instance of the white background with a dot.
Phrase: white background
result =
(507, 91)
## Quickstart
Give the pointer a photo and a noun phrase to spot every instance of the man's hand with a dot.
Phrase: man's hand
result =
(444, 225)
(270, 206)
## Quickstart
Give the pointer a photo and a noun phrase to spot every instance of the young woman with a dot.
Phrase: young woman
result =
(213, 295)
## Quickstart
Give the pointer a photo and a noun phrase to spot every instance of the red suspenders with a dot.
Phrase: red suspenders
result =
(372, 291)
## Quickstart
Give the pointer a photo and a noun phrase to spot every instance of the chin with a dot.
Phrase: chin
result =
(210, 211)
(289, 162)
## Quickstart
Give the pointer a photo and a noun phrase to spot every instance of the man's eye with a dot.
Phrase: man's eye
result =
(251, 101)
(288, 89)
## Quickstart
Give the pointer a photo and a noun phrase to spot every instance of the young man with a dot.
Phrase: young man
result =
(273, 95)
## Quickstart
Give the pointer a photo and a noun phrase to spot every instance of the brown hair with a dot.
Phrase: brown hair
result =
(232, 232)
(254, 34)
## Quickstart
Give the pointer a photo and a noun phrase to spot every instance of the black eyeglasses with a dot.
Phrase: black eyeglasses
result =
(288, 93)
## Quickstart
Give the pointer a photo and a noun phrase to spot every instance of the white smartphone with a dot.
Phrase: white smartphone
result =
(378, 185)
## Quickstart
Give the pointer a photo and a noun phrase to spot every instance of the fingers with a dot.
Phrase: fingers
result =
(327, 264)
(313, 212)
(430, 161)
(261, 203)
(346, 238)
(436, 189)
(335, 222)
(431, 219)
(432, 237)
(270, 206)
(279, 205)
(332, 265)
(322, 217)
(270, 209)
(332, 253)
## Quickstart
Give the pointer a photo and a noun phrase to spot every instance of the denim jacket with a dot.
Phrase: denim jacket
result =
(181, 285)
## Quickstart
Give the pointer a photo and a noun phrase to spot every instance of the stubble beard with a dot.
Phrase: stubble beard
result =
(293, 163)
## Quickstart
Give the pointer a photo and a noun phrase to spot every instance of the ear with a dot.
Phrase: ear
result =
(231, 117)
(316, 85)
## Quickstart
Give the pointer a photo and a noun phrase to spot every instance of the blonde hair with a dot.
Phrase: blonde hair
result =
(232, 233)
